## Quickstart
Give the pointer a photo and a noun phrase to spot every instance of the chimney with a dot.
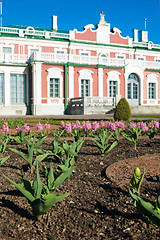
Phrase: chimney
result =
(54, 22)
(135, 35)
(143, 36)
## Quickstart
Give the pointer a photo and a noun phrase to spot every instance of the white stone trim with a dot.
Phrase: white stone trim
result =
(54, 73)
(7, 108)
(152, 78)
(71, 81)
(33, 47)
(113, 76)
(86, 74)
(138, 69)
(100, 82)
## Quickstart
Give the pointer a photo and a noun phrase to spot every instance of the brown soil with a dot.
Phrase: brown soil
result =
(98, 207)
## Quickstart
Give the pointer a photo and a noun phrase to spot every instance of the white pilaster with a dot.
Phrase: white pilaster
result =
(36, 82)
(100, 82)
(71, 82)
(7, 88)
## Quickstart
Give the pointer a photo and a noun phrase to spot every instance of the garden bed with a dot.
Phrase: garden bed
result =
(98, 207)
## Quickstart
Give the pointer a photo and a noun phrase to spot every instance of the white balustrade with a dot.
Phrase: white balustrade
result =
(73, 58)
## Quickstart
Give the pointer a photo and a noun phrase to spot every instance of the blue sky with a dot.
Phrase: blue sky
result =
(72, 14)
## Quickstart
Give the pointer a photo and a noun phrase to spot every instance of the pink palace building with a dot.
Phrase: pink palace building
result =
(47, 71)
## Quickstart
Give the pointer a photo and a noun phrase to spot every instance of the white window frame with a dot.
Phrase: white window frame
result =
(151, 90)
(157, 60)
(111, 86)
(152, 78)
(3, 90)
(57, 74)
(86, 74)
(102, 57)
(141, 58)
(54, 87)
(113, 76)
(7, 57)
(37, 53)
(17, 93)
(60, 57)
(84, 87)
(86, 57)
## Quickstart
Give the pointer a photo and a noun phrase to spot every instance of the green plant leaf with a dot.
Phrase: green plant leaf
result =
(42, 206)
(147, 209)
(20, 154)
(37, 185)
(25, 192)
(63, 177)
(2, 160)
(40, 158)
(50, 177)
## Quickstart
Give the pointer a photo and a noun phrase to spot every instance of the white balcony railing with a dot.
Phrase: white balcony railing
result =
(77, 59)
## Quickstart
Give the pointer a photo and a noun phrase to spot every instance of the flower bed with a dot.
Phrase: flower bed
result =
(96, 207)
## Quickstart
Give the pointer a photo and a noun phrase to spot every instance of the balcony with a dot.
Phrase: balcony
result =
(76, 59)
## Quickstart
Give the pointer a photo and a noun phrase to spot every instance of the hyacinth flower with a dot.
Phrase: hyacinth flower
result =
(149, 210)
(153, 128)
(68, 127)
(21, 134)
(47, 127)
(95, 126)
(5, 129)
(133, 133)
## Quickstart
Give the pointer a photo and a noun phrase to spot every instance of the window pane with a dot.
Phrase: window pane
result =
(85, 88)
(54, 87)
(112, 88)
(134, 91)
(18, 86)
(129, 90)
(152, 91)
(7, 50)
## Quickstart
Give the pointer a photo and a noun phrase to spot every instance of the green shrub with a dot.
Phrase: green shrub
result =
(122, 111)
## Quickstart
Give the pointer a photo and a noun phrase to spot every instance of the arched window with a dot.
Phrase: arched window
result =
(103, 59)
(133, 89)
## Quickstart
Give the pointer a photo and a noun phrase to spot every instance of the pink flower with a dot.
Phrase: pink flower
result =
(102, 123)
(18, 129)
(132, 125)
(141, 125)
(156, 125)
(107, 124)
(145, 129)
(39, 127)
(74, 125)
(62, 124)
(83, 124)
(95, 126)
(112, 126)
(68, 127)
(47, 125)
(5, 127)
(150, 125)
(78, 124)
(88, 126)
(26, 128)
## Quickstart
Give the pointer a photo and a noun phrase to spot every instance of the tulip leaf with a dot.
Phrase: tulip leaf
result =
(26, 193)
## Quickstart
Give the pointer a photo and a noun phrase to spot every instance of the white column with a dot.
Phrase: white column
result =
(71, 82)
(100, 82)
(7, 91)
(36, 83)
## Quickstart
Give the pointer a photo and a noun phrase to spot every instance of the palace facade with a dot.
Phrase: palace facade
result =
(42, 71)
